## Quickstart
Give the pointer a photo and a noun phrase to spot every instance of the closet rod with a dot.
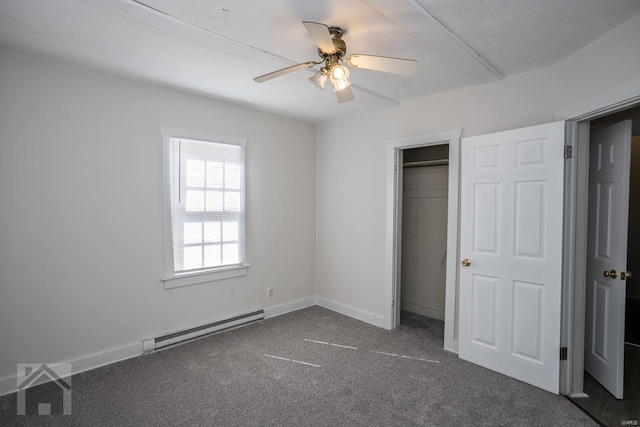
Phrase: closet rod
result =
(426, 163)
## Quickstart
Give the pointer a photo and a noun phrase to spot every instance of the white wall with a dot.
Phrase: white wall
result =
(351, 198)
(81, 212)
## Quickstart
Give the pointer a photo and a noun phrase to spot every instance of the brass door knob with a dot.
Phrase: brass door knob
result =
(611, 274)
(625, 275)
(466, 262)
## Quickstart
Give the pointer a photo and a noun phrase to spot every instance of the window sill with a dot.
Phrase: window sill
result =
(188, 279)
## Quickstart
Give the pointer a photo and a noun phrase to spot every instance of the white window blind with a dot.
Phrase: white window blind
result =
(207, 213)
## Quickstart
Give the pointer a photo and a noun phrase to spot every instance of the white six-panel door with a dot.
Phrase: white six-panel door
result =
(609, 165)
(511, 233)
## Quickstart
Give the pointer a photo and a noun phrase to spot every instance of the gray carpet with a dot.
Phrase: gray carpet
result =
(351, 374)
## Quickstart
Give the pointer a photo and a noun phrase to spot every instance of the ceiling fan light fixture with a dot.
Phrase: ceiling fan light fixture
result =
(339, 76)
(341, 84)
(339, 72)
(319, 78)
(332, 49)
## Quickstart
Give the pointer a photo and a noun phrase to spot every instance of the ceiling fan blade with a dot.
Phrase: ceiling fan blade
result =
(284, 71)
(320, 34)
(403, 67)
(345, 95)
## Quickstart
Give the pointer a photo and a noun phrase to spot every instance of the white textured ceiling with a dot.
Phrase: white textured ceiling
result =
(216, 47)
(520, 35)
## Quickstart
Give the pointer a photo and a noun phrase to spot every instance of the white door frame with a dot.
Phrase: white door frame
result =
(394, 228)
(575, 245)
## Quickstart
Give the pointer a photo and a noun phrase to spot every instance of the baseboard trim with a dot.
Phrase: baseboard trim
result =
(288, 307)
(356, 313)
(8, 384)
(423, 311)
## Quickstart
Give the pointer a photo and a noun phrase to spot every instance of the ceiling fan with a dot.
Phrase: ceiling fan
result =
(332, 49)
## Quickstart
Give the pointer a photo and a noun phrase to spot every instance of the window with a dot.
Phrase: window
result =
(204, 213)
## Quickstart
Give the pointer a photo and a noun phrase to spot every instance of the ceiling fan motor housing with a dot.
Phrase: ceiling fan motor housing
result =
(338, 44)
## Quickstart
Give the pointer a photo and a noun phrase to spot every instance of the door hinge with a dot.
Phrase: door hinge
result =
(568, 151)
(393, 301)
(564, 353)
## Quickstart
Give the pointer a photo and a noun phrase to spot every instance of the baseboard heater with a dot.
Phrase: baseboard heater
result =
(151, 344)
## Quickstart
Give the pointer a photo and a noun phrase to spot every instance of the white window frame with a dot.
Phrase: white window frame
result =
(173, 279)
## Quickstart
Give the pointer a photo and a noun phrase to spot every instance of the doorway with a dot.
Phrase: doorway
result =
(424, 233)
(632, 308)
(596, 394)
(395, 150)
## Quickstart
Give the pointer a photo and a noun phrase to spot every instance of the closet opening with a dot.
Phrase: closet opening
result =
(425, 176)
(431, 162)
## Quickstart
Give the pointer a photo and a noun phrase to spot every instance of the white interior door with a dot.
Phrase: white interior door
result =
(609, 166)
(511, 233)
